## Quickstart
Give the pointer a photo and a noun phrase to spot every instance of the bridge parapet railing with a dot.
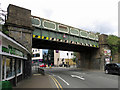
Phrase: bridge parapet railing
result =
(50, 30)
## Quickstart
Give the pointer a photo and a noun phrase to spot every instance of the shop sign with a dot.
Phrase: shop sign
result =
(107, 52)
(12, 51)
(107, 60)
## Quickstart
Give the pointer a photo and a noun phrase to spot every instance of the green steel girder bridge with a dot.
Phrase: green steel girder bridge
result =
(52, 35)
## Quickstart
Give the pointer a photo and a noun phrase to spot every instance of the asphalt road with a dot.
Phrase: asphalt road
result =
(77, 78)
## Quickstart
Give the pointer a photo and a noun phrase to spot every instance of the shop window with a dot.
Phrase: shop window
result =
(18, 66)
(10, 67)
(3, 67)
(13, 66)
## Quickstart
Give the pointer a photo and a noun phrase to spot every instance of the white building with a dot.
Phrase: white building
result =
(58, 56)
(37, 54)
(66, 55)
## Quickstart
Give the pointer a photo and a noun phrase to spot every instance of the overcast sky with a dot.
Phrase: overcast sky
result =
(90, 15)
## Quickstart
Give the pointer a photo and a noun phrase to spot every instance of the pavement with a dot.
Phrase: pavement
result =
(36, 81)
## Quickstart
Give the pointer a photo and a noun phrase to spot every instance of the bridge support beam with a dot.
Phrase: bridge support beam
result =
(88, 60)
(94, 58)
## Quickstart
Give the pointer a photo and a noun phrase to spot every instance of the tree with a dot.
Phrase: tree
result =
(119, 45)
(114, 42)
(74, 58)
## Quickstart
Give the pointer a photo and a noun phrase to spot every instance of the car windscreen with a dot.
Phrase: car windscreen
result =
(118, 65)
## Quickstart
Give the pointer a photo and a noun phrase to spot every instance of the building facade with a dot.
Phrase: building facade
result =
(43, 56)
(63, 56)
(13, 58)
(37, 55)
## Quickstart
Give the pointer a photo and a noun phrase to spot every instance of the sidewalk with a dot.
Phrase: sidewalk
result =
(36, 81)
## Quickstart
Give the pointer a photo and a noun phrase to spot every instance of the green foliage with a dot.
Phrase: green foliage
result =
(112, 40)
(119, 45)
(0, 27)
(97, 33)
(74, 58)
(114, 43)
(5, 30)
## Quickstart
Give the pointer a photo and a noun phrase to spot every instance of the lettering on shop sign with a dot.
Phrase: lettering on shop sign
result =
(12, 51)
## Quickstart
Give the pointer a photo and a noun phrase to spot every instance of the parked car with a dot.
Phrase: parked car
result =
(42, 65)
(112, 68)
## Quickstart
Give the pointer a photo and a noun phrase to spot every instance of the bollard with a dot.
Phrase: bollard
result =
(41, 71)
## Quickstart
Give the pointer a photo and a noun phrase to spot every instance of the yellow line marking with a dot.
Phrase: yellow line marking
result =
(54, 82)
(58, 83)
(33, 36)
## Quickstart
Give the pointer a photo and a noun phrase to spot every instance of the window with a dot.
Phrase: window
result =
(10, 67)
(18, 64)
(67, 54)
(13, 67)
(36, 55)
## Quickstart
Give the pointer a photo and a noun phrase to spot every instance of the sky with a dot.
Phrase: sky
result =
(90, 15)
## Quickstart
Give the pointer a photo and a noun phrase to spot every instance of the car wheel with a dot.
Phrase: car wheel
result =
(106, 71)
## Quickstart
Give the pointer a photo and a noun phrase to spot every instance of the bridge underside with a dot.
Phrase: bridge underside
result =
(45, 44)
(86, 55)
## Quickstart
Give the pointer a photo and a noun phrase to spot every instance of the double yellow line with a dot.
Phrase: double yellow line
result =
(56, 83)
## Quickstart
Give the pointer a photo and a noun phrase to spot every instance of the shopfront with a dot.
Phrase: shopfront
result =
(12, 59)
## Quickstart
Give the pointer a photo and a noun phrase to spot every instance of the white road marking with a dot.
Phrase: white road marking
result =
(63, 80)
(80, 77)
